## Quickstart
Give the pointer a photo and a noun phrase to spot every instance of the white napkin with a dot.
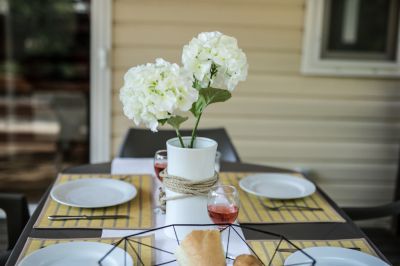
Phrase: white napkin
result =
(145, 166)
(132, 166)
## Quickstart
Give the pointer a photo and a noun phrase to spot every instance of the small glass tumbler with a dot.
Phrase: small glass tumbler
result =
(160, 162)
(223, 205)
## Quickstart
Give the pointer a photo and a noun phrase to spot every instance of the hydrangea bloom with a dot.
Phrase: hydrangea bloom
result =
(156, 91)
(218, 52)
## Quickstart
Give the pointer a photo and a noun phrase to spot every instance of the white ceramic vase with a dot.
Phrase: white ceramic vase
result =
(194, 164)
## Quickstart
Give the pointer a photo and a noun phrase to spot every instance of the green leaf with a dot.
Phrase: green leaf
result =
(176, 121)
(162, 121)
(208, 96)
(214, 95)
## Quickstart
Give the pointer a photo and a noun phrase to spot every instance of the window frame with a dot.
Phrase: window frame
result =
(314, 64)
(100, 80)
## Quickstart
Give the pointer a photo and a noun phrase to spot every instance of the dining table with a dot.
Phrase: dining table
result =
(304, 231)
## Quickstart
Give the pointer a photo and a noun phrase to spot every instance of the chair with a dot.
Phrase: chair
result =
(144, 143)
(16, 208)
(387, 240)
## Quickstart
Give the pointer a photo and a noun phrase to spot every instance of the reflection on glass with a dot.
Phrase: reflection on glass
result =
(44, 90)
(357, 29)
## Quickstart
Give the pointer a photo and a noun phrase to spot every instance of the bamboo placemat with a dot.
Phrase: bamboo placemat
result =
(145, 252)
(265, 249)
(252, 210)
(139, 209)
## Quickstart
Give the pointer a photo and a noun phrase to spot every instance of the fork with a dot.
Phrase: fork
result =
(124, 177)
(293, 206)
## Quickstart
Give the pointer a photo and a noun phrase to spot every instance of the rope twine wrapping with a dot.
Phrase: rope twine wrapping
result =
(188, 188)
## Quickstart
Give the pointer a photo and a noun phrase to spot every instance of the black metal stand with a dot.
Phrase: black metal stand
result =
(128, 240)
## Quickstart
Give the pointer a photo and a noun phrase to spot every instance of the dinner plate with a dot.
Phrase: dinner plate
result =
(277, 186)
(334, 256)
(77, 254)
(93, 192)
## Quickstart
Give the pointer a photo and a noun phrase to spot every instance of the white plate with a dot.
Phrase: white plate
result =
(333, 256)
(93, 192)
(77, 254)
(277, 186)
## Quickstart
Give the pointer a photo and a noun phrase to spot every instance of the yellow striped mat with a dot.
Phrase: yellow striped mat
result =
(265, 248)
(139, 209)
(133, 248)
(252, 210)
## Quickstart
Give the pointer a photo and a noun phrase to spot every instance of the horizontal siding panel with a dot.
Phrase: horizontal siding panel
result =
(179, 35)
(316, 131)
(270, 159)
(116, 144)
(332, 151)
(278, 62)
(347, 173)
(357, 193)
(343, 174)
(120, 126)
(264, 107)
(296, 86)
(326, 131)
(124, 58)
(260, 108)
(233, 14)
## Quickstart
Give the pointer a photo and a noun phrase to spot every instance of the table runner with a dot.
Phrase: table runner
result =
(140, 209)
(145, 253)
(252, 211)
(266, 248)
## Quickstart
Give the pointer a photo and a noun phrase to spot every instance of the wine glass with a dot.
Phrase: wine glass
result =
(160, 162)
(223, 204)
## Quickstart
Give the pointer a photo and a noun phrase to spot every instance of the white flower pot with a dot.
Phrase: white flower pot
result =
(193, 164)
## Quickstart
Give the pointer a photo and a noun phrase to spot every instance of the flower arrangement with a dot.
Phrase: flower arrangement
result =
(159, 93)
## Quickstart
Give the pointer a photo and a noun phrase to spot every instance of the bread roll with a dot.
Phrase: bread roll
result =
(201, 248)
(247, 260)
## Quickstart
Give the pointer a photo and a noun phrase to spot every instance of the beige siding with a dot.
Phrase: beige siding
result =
(344, 129)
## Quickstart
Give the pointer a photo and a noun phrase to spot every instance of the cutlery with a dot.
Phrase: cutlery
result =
(291, 250)
(286, 206)
(85, 217)
(124, 177)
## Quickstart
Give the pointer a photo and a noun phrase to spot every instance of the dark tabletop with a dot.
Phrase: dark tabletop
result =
(313, 231)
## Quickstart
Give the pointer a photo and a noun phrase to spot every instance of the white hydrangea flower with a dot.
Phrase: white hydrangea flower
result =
(156, 91)
(214, 48)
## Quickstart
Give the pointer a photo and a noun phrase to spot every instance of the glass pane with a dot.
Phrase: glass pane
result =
(362, 29)
(44, 91)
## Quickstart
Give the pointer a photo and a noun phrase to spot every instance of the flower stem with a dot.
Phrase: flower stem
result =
(180, 138)
(194, 132)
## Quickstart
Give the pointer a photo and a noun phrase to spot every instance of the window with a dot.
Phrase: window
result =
(44, 91)
(352, 38)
